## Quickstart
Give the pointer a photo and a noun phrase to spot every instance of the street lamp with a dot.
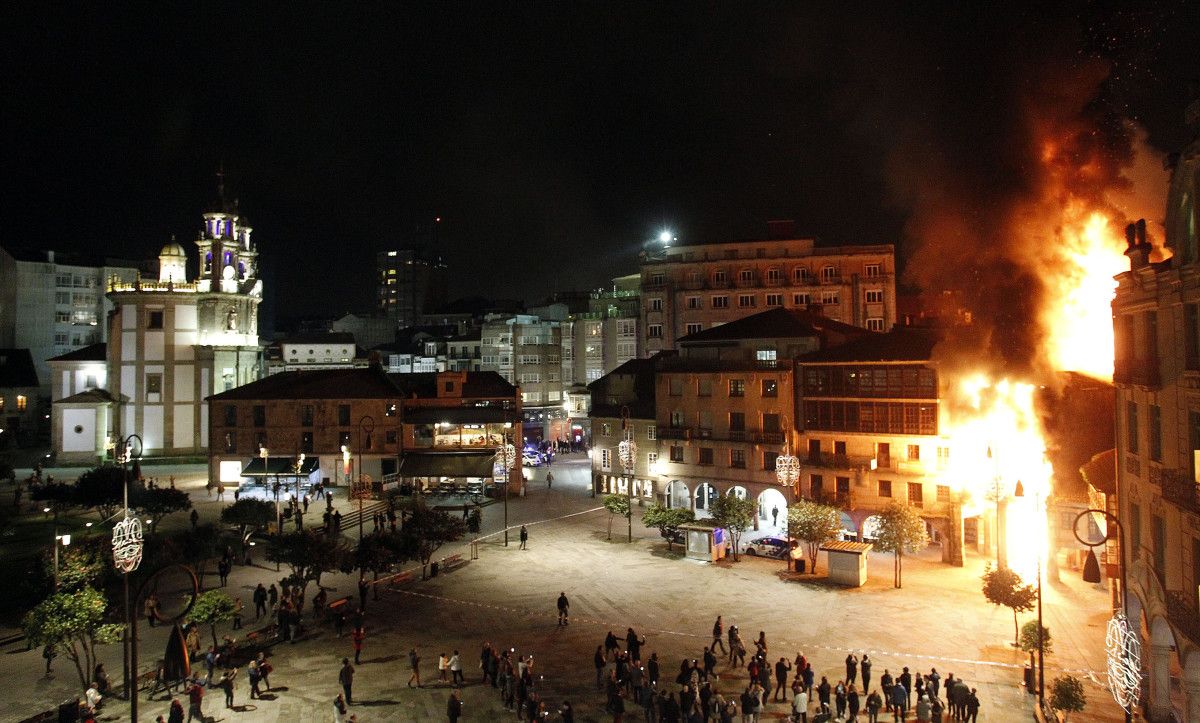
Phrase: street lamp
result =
(127, 555)
(359, 491)
(66, 541)
(296, 475)
(264, 454)
(1019, 491)
(506, 458)
(1124, 650)
(787, 471)
(627, 454)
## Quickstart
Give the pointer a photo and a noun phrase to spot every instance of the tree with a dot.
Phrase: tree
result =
(58, 496)
(102, 489)
(213, 607)
(1029, 640)
(666, 519)
(1002, 586)
(734, 514)
(900, 530)
(73, 623)
(616, 505)
(196, 547)
(79, 565)
(377, 552)
(249, 515)
(308, 553)
(159, 502)
(427, 530)
(814, 524)
(1066, 694)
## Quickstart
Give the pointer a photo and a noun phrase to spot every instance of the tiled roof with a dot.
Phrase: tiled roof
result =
(356, 383)
(777, 323)
(423, 385)
(92, 352)
(899, 345)
(16, 369)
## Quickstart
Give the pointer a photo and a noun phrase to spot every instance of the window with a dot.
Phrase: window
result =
(746, 276)
(677, 419)
(774, 299)
(816, 486)
(654, 331)
(774, 275)
(871, 271)
(306, 415)
(62, 317)
(839, 449)
(829, 273)
(737, 387)
(676, 386)
(62, 298)
(692, 328)
(914, 452)
(916, 494)
(841, 487)
(532, 397)
(531, 377)
(770, 388)
(651, 432)
(800, 275)
(720, 302)
(391, 436)
(885, 488)
(769, 460)
(745, 301)
(874, 323)
(22, 402)
(801, 299)
(693, 302)
(1131, 427)
(829, 297)
(154, 319)
(656, 279)
(230, 443)
(656, 304)
(943, 457)
(676, 453)
(651, 459)
(605, 429)
(737, 421)
(706, 456)
(719, 277)
(625, 327)
(1155, 431)
(737, 458)
(943, 493)
(230, 415)
(344, 415)
(770, 423)
(814, 450)
(874, 296)
(704, 388)
(153, 388)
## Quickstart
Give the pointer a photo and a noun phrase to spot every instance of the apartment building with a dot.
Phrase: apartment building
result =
(623, 405)
(692, 287)
(1156, 315)
(526, 350)
(322, 350)
(409, 284)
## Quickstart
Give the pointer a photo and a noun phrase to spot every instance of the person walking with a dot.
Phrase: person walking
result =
(899, 701)
(363, 587)
(346, 678)
(357, 638)
(254, 676)
(456, 674)
(524, 538)
(226, 684)
(195, 694)
(238, 607)
(414, 664)
(549, 479)
(264, 670)
(600, 661)
(563, 608)
(195, 518)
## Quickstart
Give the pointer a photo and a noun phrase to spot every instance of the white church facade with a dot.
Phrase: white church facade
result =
(172, 343)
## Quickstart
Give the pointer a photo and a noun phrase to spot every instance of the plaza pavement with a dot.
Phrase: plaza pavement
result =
(506, 596)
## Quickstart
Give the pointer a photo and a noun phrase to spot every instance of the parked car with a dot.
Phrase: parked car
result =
(531, 459)
(766, 547)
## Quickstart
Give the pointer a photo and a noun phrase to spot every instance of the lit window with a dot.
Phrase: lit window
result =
(22, 402)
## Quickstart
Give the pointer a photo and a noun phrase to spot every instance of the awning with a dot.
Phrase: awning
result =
(447, 464)
(456, 415)
(282, 466)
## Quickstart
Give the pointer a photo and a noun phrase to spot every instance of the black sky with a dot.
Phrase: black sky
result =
(552, 138)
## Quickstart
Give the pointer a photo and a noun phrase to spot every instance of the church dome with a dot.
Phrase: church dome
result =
(173, 249)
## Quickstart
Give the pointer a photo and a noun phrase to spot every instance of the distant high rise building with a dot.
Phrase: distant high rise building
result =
(410, 284)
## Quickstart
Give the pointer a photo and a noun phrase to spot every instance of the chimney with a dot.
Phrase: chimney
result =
(780, 230)
(1138, 249)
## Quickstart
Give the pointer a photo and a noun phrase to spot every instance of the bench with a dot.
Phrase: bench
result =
(450, 561)
(268, 633)
(333, 606)
(394, 580)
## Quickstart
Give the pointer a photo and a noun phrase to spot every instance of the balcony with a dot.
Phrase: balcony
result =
(1184, 613)
(1137, 373)
(673, 433)
(837, 461)
(1179, 490)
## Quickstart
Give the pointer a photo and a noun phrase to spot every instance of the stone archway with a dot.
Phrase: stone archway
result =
(677, 496)
(772, 512)
(737, 491)
(1166, 673)
(703, 498)
(1191, 684)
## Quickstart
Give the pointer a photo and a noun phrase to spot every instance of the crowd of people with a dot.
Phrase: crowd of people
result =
(634, 685)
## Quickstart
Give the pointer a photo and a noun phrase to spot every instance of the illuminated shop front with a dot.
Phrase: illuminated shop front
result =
(614, 485)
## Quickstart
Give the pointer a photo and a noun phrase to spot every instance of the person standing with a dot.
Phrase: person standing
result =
(339, 709)
(346, 678)
(874, 703)
(226, 684)
(563, 608)
(456, 674)
(260, 601)
(195, 694)
(272, 595)
(549, 479)
(195, 518)
(238, 607)
(254, 676)
(357, 638)
(865, 668)
(362, 592)
(524, 538)
(717, 633)
(443, 668)
(781, 675)
(454, 707)
(851, 669)
(175, 712)
(600, 661)
(935, 680)
(972, 707)
(414, 664)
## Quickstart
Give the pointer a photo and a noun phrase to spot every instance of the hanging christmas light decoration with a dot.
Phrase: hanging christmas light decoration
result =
(506, 456)
(127, 543)
(627, 449)
(787, 465)
(1124, 662)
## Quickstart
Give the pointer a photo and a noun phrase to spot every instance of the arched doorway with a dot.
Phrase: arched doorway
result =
(772, 512)
(1166, 673)
(677, 496)
(870, 528)
(737, 491)
(848, 527)
(705, 495)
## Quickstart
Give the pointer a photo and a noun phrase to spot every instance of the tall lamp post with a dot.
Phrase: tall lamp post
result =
(127, 555)
(1124, 650)
(65, 540)
(296, 476)
(264, 455)
(506, 457)
(1019, 491)
(787, 472)
(627, 454)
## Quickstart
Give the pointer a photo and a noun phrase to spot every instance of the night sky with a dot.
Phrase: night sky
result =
(551, 138)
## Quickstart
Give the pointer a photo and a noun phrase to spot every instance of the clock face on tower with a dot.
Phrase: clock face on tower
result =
(228, 273)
